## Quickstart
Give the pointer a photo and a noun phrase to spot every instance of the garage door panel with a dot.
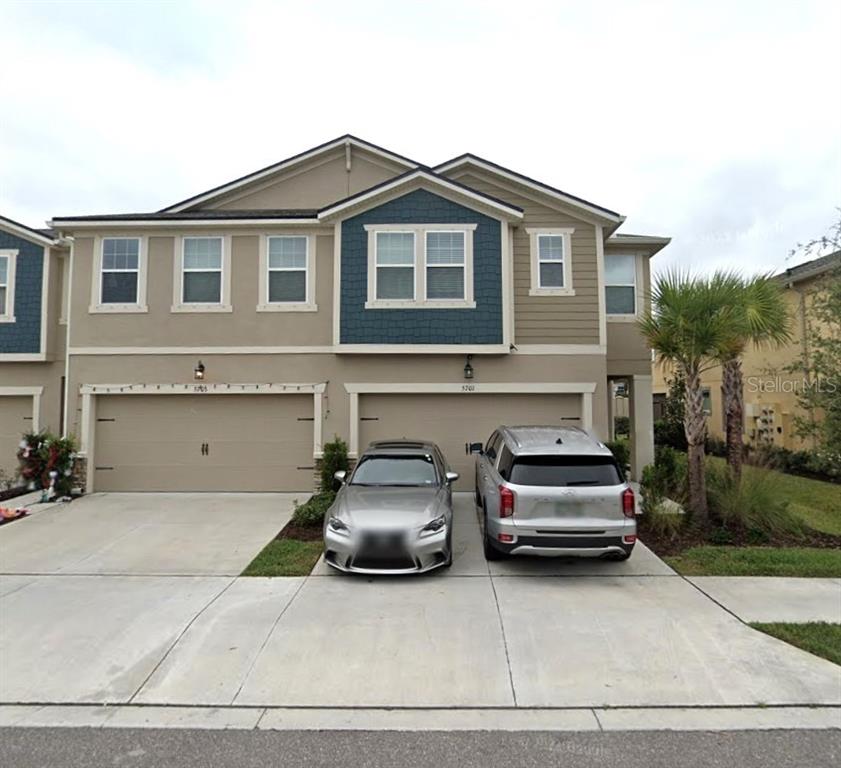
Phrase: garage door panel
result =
(15, 420)
(451, 420)
(154, 442)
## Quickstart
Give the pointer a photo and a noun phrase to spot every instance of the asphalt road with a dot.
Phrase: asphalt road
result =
(148, 748)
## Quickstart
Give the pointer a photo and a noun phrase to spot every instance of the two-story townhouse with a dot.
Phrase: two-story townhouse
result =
(33, 266)
(218, 343)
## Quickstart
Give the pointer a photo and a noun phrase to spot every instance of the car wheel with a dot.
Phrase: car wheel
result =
(491, 552)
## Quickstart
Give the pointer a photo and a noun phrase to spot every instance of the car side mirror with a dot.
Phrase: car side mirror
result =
(452, 477)
(340, 476)
(473, 448)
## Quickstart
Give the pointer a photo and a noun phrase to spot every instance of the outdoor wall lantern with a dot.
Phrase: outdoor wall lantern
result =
(468, 369)
(198, 371)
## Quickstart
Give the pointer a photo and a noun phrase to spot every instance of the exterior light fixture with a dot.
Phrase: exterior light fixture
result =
(198, 371)
(468, 369)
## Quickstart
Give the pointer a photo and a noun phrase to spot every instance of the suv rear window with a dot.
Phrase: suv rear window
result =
(565, 471)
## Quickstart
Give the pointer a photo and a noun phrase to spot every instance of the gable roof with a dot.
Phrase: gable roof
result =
(430, 177)
(41, 237)
(527, 181)
(242, 181)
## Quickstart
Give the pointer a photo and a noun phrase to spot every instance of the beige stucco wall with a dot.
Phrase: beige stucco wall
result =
(337, 370)
(313, 184)
(244, 326)
(548, 319)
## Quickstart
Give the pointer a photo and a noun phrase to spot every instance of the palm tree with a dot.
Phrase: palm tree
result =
(689, 322)
(761, 319)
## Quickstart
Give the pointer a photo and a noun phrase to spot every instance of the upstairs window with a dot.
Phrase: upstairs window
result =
(551, 261)
(395, 263)
(7, 286)
(445, 265)
(202, 270)
(120, 270)
(427, 266)
(550, 256)
(620, 271)
(287, 270)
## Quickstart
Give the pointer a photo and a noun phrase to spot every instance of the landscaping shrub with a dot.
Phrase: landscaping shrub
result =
(47, 460)
(335, 459)
(622, 453)
(756, 503)
(622, 426)
(820, 465)
(310, 514)
(715, 447)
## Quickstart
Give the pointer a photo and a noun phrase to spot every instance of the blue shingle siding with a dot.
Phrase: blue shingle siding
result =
(24, 335)
(482, 325)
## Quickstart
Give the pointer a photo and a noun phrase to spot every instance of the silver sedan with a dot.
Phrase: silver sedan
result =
(394, 514)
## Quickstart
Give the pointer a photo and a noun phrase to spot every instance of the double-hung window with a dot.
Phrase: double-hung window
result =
(120, 270)
(395, 265)
(7, 286)
(119, 275)
(420, 265)
(551, 261)
(287, 270)
(202, 270)
(445, 262)
(620, 271)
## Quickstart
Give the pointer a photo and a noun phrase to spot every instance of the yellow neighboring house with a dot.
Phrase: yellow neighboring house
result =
(770, 392)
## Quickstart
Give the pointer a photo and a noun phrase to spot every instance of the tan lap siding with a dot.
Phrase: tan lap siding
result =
(15, 419)
(154, 443)
(453, 420)
(550, 319)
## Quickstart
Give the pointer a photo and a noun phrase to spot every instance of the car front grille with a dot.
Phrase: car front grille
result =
(385, 551)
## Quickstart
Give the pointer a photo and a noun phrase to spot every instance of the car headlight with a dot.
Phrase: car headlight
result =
(337, 525)
(434, 525)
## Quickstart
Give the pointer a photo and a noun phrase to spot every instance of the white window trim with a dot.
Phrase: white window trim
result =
(419, 301)
(96, 305)
(309, 305)
(178, 304)
(566, 238)
(638, 296)
(8, 313)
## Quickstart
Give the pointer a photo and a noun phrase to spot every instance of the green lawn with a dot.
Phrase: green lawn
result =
(757, 561)
(285, 557)
(815, 502)
(817, 637)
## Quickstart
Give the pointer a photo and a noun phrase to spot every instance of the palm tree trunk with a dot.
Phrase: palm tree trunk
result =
(695, 426)
(734, 407)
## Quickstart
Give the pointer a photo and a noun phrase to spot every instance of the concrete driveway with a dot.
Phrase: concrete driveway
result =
(160, 534)
(521, 633)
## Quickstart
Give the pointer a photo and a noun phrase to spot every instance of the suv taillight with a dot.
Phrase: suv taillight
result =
(506, 501)
(628, 502)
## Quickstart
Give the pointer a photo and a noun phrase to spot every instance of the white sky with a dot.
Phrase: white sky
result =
(717, 123)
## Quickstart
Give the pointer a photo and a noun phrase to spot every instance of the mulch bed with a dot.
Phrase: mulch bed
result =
(696, 536)
(300, 532)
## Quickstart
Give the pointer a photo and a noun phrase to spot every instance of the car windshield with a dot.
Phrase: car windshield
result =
(395, 471)
(565, 471)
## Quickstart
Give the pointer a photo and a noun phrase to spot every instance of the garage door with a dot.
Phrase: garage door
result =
(451, 420)
(15, 419)
(204, 443)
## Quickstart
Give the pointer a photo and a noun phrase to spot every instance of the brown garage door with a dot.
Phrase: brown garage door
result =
(204, 443)
(453, 420)
(15, 419)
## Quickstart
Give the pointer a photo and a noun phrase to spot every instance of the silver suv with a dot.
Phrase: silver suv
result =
(552, 491)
